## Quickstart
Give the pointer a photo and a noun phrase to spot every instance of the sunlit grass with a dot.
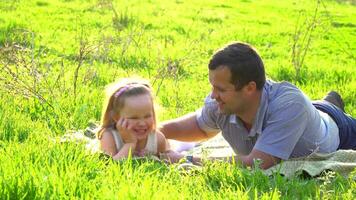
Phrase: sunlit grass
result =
(169, 43)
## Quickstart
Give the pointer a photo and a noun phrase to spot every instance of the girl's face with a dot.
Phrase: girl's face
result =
(139, 112)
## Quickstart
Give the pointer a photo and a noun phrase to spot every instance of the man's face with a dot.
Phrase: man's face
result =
(223, 91)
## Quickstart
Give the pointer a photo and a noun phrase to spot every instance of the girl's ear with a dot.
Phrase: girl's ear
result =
(115, 116)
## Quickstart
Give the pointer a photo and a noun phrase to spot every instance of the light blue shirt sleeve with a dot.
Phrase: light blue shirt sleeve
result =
(207, 116)
(284, 127)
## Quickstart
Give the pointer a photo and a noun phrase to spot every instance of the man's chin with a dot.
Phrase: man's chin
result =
(224, 111)
(221, 109)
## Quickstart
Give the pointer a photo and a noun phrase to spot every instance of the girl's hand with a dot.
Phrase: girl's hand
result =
(171, 156)
(125, 130)
(141, 153)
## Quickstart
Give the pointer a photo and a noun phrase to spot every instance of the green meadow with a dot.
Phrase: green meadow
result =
(56, 57)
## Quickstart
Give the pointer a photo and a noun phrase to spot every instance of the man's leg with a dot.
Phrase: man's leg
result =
(335, 98)
(333, 105)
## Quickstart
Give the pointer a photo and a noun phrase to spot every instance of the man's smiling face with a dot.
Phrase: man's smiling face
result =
(230, 100)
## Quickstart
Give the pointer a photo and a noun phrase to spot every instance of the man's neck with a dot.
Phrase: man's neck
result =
(248, 117)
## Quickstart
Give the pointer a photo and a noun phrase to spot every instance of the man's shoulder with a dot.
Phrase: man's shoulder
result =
(280, 88)
(286, 100)
(211, 108)
(284, 93)
(210, 103)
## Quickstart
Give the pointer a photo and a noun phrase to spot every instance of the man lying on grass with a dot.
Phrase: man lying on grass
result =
(262, 119)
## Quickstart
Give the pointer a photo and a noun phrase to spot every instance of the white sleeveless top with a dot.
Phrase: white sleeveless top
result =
(151, 145)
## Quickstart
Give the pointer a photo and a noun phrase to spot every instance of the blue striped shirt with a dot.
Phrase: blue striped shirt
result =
(286, 125)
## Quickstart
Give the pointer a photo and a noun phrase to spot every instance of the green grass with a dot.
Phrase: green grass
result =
(169, 43)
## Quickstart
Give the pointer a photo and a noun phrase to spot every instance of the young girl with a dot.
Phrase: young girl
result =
(128, 122)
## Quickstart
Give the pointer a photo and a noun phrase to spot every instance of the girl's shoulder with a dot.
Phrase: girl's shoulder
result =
(158, 133)
(107, 131)
(107, 142)
(162, 144)
(111, 139)
(110, 134)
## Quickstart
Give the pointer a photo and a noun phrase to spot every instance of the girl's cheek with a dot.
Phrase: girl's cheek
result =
(151, 122)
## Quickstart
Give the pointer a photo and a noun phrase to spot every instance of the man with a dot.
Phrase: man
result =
(262, 119)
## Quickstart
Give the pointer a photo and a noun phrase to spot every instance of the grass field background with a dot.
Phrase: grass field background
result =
(57, 56)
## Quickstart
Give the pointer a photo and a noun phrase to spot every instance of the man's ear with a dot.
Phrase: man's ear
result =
(251, 87)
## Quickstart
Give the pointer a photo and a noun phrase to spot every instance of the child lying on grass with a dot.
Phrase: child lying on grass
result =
(128, 122)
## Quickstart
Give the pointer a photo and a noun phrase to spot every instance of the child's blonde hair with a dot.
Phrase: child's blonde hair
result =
(116, 93)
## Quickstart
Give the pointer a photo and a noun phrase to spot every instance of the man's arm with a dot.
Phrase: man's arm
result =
(267, 160)
(184, 128)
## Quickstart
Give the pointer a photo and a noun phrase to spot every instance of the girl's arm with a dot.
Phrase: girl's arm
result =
(107, 144)
(125, 150)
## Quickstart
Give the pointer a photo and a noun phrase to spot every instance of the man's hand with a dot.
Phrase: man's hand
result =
(125, 130)
(267, 160)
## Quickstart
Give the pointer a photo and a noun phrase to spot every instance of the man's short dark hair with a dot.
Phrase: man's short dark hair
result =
(244, 63)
